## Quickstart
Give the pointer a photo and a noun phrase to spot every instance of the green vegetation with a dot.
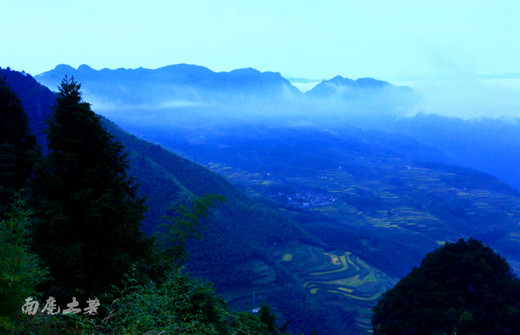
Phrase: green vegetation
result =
(20, 270)
(460, 288)
(18, 148)
(185, 225)
(87, 214)
(86, 229)
(181, 306)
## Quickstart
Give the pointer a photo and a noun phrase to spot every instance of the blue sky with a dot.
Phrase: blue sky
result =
(389, 40)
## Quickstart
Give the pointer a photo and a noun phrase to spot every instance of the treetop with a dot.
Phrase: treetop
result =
(69, 87)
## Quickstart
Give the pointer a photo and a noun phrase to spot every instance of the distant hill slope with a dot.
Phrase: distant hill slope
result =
(343, 210)
(359, 88)
(245, 241)
(36, 99)
(488, 145)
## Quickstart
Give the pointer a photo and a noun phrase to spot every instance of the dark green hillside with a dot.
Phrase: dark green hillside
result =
(244, 239)
(167, 178)
(375, 196)
(35, 98)
(460, 288)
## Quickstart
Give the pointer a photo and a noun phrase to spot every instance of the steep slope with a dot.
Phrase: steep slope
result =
(246, 242)
(35, 98)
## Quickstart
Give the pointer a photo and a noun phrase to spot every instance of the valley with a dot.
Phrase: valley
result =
(368, 204)
(320, 221)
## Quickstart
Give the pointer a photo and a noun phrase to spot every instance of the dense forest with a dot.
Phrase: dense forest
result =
(71, 232)
(240, 250)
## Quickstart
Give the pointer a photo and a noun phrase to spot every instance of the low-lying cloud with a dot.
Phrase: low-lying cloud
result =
(469, 98)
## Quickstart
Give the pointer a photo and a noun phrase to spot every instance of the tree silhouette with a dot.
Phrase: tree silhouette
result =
(88, 215)
(18, 148)
(460, 288)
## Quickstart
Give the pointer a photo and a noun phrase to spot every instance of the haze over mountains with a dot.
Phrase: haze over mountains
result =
(344, 193)
(193, 96)
(189, 91)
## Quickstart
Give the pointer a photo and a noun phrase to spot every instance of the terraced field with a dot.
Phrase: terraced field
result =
(415, 206)
(407, 206)
(408, 201)
(339, 277)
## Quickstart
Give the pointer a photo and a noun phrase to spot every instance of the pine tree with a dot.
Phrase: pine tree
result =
(88, 213)
(18, 148)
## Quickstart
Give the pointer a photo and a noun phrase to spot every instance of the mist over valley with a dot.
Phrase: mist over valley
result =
(268, 168)
(348, 175)
(189, 97)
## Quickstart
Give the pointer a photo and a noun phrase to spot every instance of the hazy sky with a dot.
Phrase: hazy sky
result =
(389, 40)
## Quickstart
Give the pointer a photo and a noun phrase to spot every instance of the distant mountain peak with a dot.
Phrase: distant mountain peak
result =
(339, 79)
(85, 68)
(63, 68)
(246, 70)
(183, 67)
(348, 88)
(371, 82)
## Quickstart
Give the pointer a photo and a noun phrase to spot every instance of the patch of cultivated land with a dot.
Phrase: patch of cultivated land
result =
(409, 201)
(339, 277)
(405, 203)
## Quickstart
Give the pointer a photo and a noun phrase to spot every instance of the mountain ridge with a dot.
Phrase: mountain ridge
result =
(238, 252)
(196, 72)
(187, 74)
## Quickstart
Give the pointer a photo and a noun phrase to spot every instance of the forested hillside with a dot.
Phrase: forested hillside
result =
(318, 222)
(71, 231)
(241, 249)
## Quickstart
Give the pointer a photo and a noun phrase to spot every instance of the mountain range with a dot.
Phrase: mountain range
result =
(189, 96)
(241, 81)
(244, 95)
(322, 217)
